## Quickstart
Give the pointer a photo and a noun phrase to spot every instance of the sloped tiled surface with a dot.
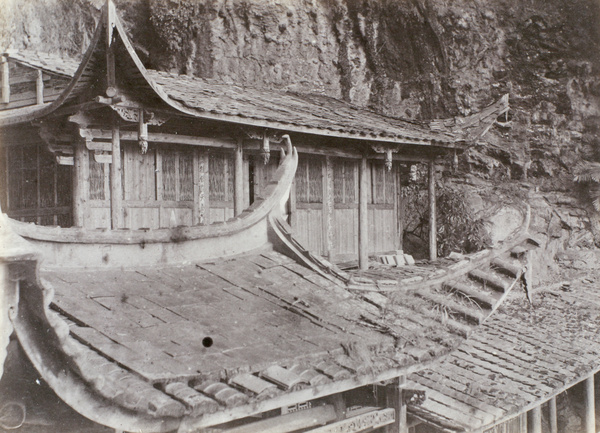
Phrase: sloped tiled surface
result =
(521, 356)
(55, 63)
(313, 111)
(236, 331)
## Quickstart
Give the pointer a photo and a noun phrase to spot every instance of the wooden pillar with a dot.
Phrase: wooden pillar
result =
(590, 405)
(399, 208)
(116, 184)
(196, 175)
(81, 175)
(396, 400)
(292, 206)
(328, 207)
(39, 87)
(238, 179)
(534, 420)
(363, 223)
(432, 213)
(203, 189)
(553, 415)
(5, 81)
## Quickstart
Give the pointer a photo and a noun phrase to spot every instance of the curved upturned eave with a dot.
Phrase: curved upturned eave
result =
(43, 337)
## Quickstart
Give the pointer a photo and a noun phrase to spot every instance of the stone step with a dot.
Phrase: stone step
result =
(490, 279)
(509, 267)
(473, 314)
(482, 298)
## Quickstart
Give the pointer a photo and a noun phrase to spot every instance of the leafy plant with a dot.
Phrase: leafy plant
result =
(589, 172)
(457, 228)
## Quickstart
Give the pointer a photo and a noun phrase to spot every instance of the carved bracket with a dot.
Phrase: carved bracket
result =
(388, 151)
(55, 140)
(267, 136)
(133, 115)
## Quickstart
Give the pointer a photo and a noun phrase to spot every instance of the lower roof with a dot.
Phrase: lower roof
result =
(257, 331)
(518, 359)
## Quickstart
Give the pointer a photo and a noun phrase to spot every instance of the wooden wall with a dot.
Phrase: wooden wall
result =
(168, 186)
(22, 81)
(326, 204)
(33, 187)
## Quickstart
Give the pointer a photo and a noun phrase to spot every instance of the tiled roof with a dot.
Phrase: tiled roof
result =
(521, 357)
(240, 331)
(316, 112)
(54, 63)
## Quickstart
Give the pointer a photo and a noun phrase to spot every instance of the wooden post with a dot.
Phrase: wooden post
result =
(238, 179)
(396, 400)
(81, 175)
(328, 207)
(5, 81)
(116, 185)
(590, 405)
(292, 206)
(399, 208)
(196, 175)
(39, 87)
(534, 420)
(432, 213)
(553, 415)
(363, 223)
(204, 205)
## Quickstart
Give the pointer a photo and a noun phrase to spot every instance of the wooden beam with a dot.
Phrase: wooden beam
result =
(367, 421)
(116, 184)
(80, 184)
(291, 422)
(590, 405)
(363, 216)
(553, 415)
(39, 88)
(5, 81)
(534, 420)
(238, 178)
(432, 213)
(155, 137)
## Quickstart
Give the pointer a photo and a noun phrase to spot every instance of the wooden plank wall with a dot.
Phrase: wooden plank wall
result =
(310, 193)
(168, 186)
(334, 233)
(22, 80)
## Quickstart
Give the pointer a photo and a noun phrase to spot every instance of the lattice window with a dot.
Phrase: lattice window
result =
(177, 168)
(345, 181)
(39, 190)
(220, 175)
(383, 188)
(309, 181)
(98, 174)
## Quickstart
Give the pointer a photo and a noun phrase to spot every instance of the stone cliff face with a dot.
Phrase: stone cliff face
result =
(418, 59)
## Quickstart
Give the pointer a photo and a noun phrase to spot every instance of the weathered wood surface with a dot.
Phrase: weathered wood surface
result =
(519, 358)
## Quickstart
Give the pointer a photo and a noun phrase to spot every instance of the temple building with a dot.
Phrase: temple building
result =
(169, 250)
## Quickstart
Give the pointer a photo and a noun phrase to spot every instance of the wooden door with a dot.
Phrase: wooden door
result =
(345, 209)
(383, 208)
(308, 222)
